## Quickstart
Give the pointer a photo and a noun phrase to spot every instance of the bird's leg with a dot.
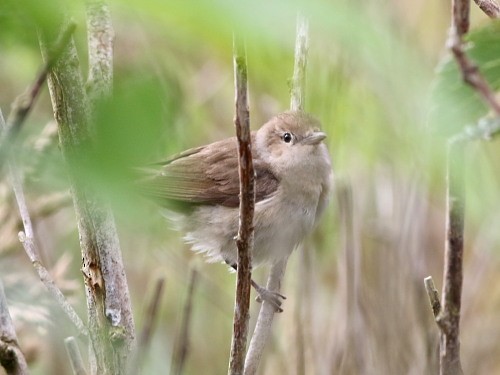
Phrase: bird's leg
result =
(273, 298)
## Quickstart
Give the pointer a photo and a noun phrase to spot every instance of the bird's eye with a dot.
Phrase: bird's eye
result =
(287, 137)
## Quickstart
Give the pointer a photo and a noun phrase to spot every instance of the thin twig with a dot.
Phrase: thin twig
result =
(151, 314)
(27, 239)
(24, 102)
(469, 70)
(75, 356)
(490, 7)
(11, 357)
(433, 296)
(244, 240)
(44, 275)
(182, 346)
(146, 334)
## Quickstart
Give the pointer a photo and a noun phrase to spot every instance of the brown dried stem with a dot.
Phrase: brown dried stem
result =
(490, 7)
(146, 334)
(448, 319)
(433, 295)
(182, 347)
(11, 357)
(469, 70)
(447, 313)
(244, 240)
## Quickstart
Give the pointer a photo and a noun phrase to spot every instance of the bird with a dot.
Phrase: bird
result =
(293, 180)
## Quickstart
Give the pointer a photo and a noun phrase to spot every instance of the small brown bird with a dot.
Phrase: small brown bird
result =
(293, 177)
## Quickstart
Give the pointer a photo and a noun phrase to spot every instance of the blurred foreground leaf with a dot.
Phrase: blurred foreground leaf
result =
(455, 104)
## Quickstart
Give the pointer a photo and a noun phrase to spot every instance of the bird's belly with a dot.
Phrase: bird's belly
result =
(277, 236)
(280, 225)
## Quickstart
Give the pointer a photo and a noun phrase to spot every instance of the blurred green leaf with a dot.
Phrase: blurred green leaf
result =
(455, 104)
(129, 129)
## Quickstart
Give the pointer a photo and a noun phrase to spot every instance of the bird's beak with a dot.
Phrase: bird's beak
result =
(314, 138)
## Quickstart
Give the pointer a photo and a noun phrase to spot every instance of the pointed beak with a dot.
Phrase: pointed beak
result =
(314, 138)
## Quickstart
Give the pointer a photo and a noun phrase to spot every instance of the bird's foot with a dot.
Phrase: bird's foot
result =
(275, 299)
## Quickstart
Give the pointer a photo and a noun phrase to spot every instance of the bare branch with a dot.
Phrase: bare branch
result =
(490, 7)
(111, 325)
(75, 356)
(244, 240)
(24, 102)
(447, 313)
(44, 275)
(469, 70)
(11, 357)
(27, 239)
(449, 318)
(433, 296)
(182, 346)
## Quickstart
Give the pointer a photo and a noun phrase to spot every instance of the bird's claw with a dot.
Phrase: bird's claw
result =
(275, 299)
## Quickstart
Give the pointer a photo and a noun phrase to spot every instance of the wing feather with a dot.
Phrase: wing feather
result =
(205, 175)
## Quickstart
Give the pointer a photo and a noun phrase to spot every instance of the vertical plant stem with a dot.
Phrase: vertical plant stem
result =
(182, 347)
(110, 323)
(118, 309)
(298, 84)
(449, 318)
(264, 321)
(297, 103)
(266, 315)
(100, 36)
(244, 240)
(138, 355)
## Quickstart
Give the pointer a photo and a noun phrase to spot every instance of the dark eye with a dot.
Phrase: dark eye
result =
(287, 137)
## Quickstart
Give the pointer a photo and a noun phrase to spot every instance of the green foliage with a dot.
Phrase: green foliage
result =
(368, 81)
(453, 103)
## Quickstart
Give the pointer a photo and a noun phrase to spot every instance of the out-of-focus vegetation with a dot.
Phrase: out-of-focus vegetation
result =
(371, 80)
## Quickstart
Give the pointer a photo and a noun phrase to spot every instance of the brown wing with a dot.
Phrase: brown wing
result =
(206, 175)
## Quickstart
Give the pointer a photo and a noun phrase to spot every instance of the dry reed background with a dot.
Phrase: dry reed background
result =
(356, 301)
